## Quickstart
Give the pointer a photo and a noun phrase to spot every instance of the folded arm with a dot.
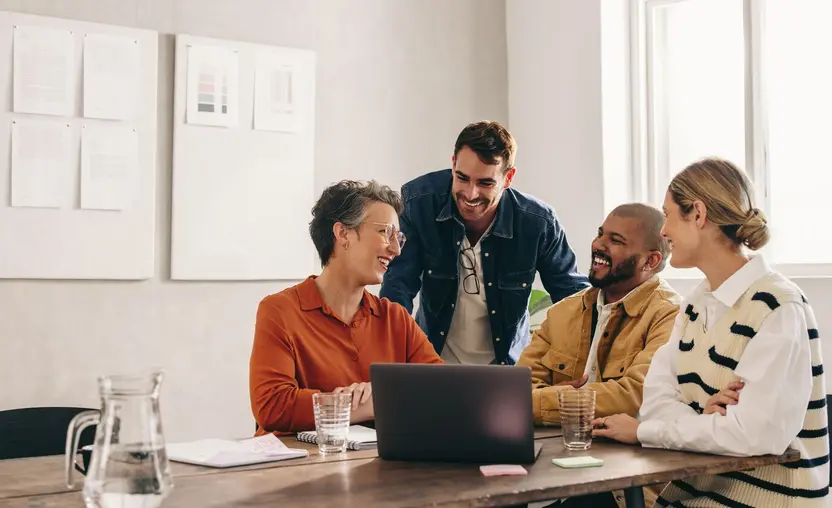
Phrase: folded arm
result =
(776, 367)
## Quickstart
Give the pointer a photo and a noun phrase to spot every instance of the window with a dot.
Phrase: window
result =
(750, 81)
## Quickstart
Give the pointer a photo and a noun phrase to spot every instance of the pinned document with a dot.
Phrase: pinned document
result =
(109, 167)
(41, 153)
(213, 87)
(44, 61)
(111, 71)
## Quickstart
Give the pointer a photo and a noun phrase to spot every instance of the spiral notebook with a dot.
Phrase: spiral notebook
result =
(358, 438)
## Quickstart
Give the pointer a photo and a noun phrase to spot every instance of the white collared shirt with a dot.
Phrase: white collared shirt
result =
(604, 312)
(469, 337)
(775, 367)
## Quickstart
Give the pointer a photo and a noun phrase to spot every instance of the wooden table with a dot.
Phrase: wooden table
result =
(377, 483)
(45, 475)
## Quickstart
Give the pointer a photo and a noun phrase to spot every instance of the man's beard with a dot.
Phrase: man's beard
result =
(622, 271)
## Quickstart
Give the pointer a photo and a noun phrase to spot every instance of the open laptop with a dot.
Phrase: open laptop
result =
(456, 413)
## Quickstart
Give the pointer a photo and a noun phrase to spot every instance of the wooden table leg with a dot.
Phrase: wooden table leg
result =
(634, 497)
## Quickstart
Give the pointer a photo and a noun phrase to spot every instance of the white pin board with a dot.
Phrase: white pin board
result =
(49, 233)
(242, 163)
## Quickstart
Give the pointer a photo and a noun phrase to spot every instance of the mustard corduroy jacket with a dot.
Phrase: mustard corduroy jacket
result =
(640, 323)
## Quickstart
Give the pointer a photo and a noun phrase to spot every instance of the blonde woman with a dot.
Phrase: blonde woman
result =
(742, 373)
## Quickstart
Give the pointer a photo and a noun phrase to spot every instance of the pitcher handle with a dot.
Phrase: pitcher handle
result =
(73, 435)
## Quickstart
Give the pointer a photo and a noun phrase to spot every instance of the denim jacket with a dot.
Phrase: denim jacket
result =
(525, 238)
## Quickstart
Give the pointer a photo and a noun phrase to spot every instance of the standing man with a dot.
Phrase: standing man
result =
(474, 246)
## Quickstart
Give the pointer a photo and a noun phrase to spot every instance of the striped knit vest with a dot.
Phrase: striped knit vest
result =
(705, 364)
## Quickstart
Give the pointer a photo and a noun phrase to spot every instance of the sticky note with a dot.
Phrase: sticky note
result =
(576, 462)
(503, 470)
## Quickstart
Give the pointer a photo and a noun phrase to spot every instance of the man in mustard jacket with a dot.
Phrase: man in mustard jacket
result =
(604, 337)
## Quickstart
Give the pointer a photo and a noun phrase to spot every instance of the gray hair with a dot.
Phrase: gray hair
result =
(346, 202)
(652, 221)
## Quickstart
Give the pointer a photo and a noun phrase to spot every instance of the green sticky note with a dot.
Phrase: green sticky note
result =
(576, 462)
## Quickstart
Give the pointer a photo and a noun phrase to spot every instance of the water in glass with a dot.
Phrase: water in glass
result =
(332, 421)
(577, 410)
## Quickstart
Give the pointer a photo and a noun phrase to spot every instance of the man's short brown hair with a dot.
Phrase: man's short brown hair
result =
(492, 143)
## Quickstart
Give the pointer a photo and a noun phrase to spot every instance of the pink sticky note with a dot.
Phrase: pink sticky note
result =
(503, 470)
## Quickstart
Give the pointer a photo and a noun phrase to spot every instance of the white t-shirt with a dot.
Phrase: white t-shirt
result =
(469, 338)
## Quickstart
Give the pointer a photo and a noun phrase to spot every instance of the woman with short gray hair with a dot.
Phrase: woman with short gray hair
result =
(322, 334)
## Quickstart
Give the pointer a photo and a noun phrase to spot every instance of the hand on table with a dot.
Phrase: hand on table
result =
(621, 427)
(362, 401)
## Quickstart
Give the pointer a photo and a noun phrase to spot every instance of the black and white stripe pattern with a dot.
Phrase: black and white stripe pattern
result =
(692, 315)
(706, 363)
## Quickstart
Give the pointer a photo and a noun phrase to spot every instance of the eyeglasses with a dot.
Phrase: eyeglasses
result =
(470, 283)
(391, 234)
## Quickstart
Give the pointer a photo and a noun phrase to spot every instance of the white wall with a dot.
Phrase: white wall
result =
(569, 108)
(397, 80)
(554, 97)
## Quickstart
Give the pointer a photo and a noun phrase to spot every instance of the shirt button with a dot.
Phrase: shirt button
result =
(622, 369)
(493, 311)
(453, 305)
(458, 243)
(442, 333)
(355, 358)
(430, 272)
(502, 363)
(486, 254)
(489, 284)
(497, 339)
(561, 366)
(606, 334)
(524, 284)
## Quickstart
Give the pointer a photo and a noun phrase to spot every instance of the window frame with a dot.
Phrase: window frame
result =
(648, 138)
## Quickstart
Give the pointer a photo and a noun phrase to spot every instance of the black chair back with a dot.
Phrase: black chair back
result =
(38, 431)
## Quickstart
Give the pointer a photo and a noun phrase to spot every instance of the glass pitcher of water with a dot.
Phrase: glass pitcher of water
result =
(129, 467)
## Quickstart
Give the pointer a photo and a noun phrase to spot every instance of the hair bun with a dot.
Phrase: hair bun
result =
(754, 233)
